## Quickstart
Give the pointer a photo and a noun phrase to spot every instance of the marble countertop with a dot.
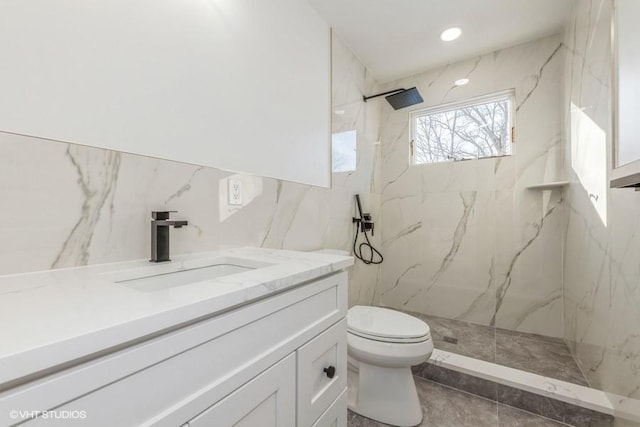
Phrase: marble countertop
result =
(53, 317)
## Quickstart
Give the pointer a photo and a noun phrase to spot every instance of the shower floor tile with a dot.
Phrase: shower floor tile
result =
(533, 353)
(540, 355)
(446, 407)
(466, 339)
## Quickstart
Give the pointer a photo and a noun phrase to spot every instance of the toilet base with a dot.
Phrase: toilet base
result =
(387, 395)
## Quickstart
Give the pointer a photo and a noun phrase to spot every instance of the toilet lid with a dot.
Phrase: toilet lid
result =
(386, 325)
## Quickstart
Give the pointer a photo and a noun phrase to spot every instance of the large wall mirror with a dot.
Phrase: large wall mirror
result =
(626, 94)
(240, 85)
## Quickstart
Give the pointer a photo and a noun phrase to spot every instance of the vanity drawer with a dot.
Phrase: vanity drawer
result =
(322, 372)
(336, 415)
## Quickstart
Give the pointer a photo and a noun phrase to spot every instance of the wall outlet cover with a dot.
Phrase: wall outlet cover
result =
(235, 192)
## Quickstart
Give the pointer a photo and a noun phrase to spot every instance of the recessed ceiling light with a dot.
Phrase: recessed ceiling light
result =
(461, 82)
(450, 34)
(339, 112)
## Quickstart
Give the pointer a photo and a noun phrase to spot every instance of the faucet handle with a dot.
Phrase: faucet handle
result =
(161, 215)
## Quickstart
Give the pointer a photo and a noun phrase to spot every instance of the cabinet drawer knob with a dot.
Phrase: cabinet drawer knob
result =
(330, 371)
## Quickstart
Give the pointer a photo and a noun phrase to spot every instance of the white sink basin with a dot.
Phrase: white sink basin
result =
(165, 276)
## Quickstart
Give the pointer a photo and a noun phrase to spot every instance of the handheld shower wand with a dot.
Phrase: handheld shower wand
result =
(364, 223)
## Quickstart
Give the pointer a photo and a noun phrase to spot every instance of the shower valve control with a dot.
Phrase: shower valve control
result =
(366, 223)
(363, 224)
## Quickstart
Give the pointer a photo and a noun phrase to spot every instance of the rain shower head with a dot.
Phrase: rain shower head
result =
(399, 98)
(403, 99)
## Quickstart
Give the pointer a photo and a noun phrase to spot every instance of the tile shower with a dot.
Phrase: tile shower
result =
(467, 240)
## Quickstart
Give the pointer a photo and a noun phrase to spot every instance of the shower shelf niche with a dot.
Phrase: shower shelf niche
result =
(548, 185)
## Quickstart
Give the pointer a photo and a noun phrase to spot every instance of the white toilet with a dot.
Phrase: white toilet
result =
(383, 345)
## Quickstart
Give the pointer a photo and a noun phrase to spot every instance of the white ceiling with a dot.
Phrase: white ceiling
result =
(398, 38)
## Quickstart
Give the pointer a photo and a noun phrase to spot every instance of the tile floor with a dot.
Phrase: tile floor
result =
(485, 403)
(528, 352)
(446, 407)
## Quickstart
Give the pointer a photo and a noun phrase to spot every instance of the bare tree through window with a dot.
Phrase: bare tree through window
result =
(467, 132)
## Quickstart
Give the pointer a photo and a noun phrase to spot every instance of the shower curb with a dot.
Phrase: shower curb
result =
(558, 400)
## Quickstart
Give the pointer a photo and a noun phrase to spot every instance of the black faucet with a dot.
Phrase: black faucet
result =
(160, 234)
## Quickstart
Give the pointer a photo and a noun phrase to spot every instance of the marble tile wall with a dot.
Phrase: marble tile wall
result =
(467, 240)
(65, 205)
(602, 237)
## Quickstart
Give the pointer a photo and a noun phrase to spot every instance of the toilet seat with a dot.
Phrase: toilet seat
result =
(381, 324)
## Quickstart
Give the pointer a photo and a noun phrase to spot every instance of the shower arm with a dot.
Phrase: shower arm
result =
(365, 98)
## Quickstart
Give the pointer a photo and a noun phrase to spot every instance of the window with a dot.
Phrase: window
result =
(344, 151)
(477, 128)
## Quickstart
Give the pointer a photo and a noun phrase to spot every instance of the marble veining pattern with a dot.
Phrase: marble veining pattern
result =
(96, 190)
(184, 188)
(483, 237)
(538, 76)
(504, 286)
(458, 235)
(601, 241)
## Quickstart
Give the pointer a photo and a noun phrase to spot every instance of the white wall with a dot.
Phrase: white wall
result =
(467, 240)
(239, 85)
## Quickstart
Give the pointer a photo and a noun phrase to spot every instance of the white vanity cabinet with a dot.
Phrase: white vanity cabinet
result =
(278, 361)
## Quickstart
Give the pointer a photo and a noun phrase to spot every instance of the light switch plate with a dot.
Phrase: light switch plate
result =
(235, 192)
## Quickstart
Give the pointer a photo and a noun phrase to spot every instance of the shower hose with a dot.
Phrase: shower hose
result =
(367, 246)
